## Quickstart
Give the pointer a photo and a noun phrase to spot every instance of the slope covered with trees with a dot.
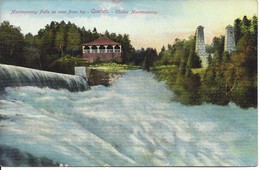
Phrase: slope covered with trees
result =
(228, 78)
(233, 77)
(175, 68)
(57, 47)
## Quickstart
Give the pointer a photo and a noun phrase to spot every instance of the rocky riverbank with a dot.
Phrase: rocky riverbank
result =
(11, 156)
(98, 77)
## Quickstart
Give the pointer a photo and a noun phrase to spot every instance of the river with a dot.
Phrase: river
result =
(134, 122)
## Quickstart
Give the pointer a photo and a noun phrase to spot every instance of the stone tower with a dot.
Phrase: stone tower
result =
(200, 47)
(229, 39)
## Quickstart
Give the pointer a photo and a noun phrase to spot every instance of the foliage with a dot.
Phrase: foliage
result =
(32, 52)
(150, 56)
(11, 44)
(112, 67)
(127, 49)
(218, 49)
(67, 63)
(185, 86)
(181, 53)
(194, 60)
(233, 77)
(174, 67)
(200, 71)
(55, 47)
(230, 77)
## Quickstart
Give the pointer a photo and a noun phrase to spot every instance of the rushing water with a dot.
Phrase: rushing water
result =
(13, 76)
(132, 123)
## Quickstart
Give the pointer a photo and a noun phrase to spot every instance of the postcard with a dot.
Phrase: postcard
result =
(128, 83)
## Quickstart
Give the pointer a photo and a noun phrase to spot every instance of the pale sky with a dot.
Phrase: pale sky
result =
(173, 18)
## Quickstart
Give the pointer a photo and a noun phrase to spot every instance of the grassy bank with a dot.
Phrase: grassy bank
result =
(200, 71)
(165, 73)
(106, 73)
(112, 67)
(208, 85)
(186, 88)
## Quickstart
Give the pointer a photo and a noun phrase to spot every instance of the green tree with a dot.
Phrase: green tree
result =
(11, 44)
(226, 57)
(150, 56)
(178, 52)
(194, 60)
(73, 39)
(218, 46)
(237, 29)
(32, 51)
(48, 53)
(209, 59)
(245, 25)
(161, 52)
(59, 41)
(67, 63)
(254, 25)
(234, 76)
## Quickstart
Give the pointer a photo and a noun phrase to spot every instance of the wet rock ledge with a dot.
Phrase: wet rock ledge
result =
(98, 77)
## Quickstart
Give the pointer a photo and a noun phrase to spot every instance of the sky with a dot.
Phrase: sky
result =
(162, 22)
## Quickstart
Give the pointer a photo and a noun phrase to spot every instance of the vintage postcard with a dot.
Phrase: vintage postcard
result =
(94, 83)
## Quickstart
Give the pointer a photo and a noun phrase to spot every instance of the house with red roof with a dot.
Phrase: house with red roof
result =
(102, 48)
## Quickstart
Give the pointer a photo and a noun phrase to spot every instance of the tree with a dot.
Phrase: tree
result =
(214, 88)
(209, 59)
(178, 51)
(67, 63)
(48, 53)
(150, 56)
(127, 48)
(226, 57)
(218, 46)
(59, 41)
(245, 25)
(32, 51)
(229, 76)
(166, 58)
(11, 44)
(194, 60)
(73, 39)
(237, 30)
(94, 30)
(139, 57)
(254, 23)
(161, 52)
(233, 77)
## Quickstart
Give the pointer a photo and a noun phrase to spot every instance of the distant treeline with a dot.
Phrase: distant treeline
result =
(229, 77)
(57, 47)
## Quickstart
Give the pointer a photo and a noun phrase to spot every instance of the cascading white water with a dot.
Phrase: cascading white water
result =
(132, 123)
(11, 76)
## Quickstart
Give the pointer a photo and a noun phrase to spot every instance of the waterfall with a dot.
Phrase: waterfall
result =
(12, 76)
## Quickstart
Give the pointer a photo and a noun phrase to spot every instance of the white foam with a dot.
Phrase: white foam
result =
(133, 122)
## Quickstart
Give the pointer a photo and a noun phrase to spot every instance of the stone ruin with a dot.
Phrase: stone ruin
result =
(200, 47)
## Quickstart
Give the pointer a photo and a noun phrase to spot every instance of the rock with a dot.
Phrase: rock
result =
(97, 77)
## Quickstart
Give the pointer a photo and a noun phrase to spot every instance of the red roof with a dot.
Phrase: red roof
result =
(102, 41)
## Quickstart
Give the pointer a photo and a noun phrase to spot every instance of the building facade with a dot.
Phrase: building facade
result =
(102, 48)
